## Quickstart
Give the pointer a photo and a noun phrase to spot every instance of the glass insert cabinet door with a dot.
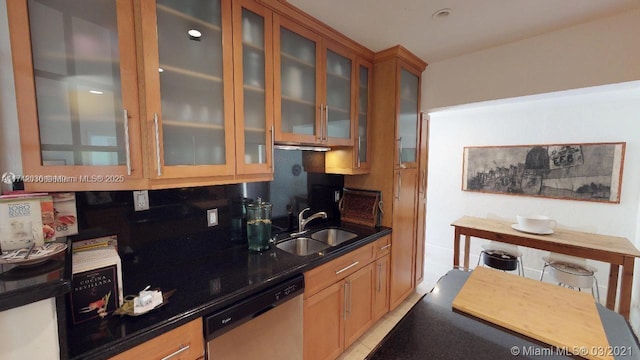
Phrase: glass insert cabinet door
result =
(407, 127)
(362, 141)
(253, 77)
(84, 83)
(337, 112)
(297, 100)
(189, 86)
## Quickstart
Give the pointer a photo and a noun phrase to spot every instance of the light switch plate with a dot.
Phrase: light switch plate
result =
(141, 200)
(212, 217)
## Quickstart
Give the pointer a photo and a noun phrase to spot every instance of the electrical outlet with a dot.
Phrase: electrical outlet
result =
(212, 217)
(141, 200)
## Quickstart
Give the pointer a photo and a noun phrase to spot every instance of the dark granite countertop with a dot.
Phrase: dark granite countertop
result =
(22, 285)
(208, 272)
(432, 330)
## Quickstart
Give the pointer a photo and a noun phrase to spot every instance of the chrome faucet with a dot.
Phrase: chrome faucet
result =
(302, 222)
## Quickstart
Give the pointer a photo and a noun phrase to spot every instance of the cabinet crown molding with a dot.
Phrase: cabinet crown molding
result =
(401, 52)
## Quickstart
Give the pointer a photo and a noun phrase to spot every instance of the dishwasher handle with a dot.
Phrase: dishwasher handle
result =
(260, 312)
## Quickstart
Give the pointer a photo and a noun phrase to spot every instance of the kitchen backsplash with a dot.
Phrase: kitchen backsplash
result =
(178, 213)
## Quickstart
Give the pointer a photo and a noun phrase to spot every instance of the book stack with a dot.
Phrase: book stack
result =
(96, 284)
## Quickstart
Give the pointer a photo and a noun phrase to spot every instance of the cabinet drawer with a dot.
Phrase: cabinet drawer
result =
(185, 343)
(336, 270)
(383, 246)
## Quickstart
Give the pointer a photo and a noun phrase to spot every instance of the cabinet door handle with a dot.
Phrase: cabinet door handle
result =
(344, 298)
(157, 135)
(423, 173)
(349, 311)
(399, 185)
(379, 278)
(400, 164)
(385, 247)
(358, 152)
(326, 123)
(273, 152)
(127, 145)
(181, 349)
(347, 267)
(320, 131)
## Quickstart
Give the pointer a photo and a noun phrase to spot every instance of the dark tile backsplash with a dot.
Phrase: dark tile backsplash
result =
(177, 214)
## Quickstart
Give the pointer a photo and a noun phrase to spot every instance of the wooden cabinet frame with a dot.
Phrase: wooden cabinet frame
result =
(20, 34)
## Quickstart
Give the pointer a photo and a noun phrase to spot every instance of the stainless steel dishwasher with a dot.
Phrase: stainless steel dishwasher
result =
(268, 325)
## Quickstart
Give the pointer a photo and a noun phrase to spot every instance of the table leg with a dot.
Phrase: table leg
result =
(612, 287)
(456, 248)
(626, 287)
(467, 246)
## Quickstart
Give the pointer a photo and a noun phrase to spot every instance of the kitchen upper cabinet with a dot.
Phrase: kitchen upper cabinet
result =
(352, 160)
(76, 92)
(188, 87)
(298, 101)
(253, 77)
(315, 87)
(339, 94)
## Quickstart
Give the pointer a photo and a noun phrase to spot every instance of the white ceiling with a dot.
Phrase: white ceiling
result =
(473, 24)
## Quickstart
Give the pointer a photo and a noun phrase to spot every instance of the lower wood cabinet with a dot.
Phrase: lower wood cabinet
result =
(183, 343)
(336, 316)
(343, 298)
(358, 295)
(381, 287)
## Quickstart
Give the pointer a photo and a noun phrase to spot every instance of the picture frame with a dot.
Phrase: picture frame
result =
(579, 171)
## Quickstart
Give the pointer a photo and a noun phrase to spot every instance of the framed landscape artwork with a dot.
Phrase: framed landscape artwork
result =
(587, 172)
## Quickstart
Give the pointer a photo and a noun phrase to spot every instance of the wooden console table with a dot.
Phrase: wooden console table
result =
(617, 251)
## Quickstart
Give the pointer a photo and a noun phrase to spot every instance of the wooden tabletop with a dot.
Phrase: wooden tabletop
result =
(566, 238)
(552, 314)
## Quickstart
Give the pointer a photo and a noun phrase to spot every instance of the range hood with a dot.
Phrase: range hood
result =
(301, 147)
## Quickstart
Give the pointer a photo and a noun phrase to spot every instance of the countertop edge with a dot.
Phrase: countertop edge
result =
(34, 294)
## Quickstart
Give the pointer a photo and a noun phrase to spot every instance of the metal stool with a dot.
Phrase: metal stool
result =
(572, 274)
(502, 258)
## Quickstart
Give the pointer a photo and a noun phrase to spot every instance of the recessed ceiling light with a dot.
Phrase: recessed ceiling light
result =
(194, 34)
(96, 92)
(442, 14)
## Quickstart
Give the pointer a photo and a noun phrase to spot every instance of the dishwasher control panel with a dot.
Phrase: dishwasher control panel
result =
(229, 318)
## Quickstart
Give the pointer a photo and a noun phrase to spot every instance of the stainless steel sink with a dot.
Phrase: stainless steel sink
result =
(333, 236)
(302, 246)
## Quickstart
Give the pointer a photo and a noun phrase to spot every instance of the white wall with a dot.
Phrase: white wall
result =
(30, 331)
(601, 114)
(606, 51)
(601, 52)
